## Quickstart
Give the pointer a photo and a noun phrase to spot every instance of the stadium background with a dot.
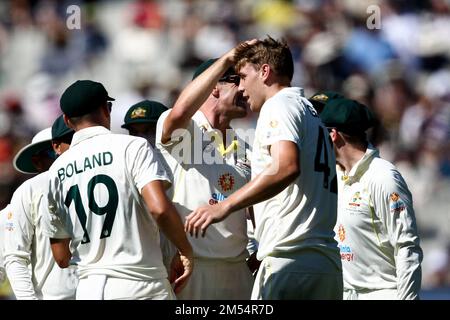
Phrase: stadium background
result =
(149, 49)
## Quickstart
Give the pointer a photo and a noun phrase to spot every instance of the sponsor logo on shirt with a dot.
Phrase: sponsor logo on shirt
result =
(216, 198)
(346, 252)
(226, 182)
(397, 205)
(356, 200)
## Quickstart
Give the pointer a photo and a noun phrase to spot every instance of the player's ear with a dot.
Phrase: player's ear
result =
(265, 71)
(68, 122)
(333, 135)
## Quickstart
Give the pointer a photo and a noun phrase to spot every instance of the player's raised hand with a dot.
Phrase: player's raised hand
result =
(230, 55)
(180, 270)
(202, 217)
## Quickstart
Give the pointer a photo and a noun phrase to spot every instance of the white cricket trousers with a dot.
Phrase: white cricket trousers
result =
(102, 287)
(305, 275)
(218, 279)
(382, 294)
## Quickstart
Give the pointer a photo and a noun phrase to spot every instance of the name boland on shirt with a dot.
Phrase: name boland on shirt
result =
(94, 198)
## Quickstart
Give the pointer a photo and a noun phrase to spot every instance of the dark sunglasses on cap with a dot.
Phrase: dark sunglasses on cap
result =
(234, 78)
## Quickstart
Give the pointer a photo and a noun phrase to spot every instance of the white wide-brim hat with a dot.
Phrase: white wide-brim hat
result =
(41, 141)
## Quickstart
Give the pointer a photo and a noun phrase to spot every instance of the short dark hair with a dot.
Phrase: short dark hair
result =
(273, 52)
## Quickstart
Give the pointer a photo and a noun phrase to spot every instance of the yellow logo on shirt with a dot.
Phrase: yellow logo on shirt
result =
(226, 182)
(138, 113)
(9, 215)
(273, 123)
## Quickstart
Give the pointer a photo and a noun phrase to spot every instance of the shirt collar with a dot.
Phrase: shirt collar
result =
(360, 167)
(87, 133)
(205, 126)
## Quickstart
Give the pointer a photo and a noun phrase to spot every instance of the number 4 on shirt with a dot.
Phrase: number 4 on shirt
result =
(320, 166)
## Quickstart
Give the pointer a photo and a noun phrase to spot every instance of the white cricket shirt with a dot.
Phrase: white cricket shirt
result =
(95, 199)
(303, 215)
(3, 217)
(376, 229)
(26, 248)
(199, 180)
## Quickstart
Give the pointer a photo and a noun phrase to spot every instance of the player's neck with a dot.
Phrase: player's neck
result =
(349, 155)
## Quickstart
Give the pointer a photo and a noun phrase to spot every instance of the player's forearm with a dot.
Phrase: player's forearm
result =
(172, 227)
(265, 186)
(192, 98)
(20, 279)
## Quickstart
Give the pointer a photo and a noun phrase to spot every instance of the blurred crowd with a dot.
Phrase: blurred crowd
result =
(148, 49)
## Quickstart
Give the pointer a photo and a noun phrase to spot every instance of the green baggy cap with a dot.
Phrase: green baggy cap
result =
(143, 112)
(319, 99)
(82, 97)
(59, 128)
(347, 116)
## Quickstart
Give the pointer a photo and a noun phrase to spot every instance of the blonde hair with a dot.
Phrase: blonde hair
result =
(268, 51)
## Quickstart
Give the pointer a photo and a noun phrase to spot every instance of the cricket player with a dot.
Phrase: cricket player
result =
(212, 164)
(376, 227)
(140, 120)
(3, 218)
(293, 183)
(99, 193)
(31, 269)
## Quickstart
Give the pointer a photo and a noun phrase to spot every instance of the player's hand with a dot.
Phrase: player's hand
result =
(180, 270)
(230, 55)
(202, 217)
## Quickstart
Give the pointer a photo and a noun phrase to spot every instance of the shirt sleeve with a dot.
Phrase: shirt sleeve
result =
(282, 125)
(19, 232)
(394, 204)
(146, 164)
(179, 135)
(55, 221)
(3, 214)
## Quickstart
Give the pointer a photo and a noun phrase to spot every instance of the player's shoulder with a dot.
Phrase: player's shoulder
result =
(384, 175)
(34, 182)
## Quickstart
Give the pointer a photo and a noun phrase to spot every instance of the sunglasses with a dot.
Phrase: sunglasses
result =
(234, 78)
(109, 104)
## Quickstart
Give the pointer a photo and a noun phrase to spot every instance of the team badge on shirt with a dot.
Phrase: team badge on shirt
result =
(396, 203)
(226, 182)
(138, 113)
(356, 199)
